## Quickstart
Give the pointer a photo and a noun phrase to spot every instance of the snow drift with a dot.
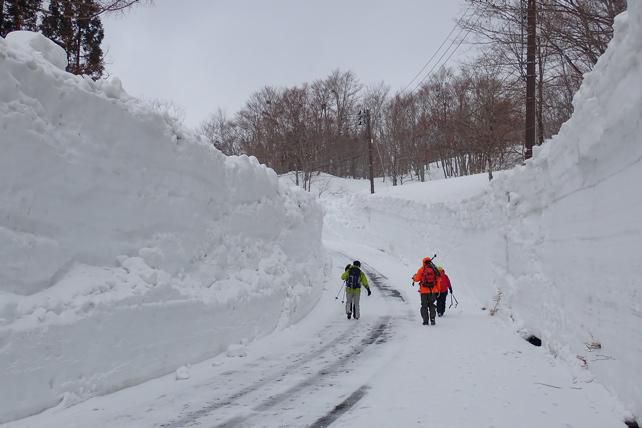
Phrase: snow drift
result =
(559, 240)
(129, 248)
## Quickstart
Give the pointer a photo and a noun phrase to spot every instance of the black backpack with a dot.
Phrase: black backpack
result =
(354, 277)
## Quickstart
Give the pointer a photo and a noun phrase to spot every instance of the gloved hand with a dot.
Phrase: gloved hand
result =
(369, 292)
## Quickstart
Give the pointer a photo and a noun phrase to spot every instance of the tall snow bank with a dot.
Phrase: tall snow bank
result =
(560, 238)
(572, 263)
(128, 248)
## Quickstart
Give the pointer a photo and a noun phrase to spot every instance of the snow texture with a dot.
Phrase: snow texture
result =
(129, 247)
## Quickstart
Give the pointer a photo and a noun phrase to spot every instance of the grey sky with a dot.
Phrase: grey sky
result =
(206, 54)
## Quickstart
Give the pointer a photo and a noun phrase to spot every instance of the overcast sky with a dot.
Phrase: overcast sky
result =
(206, 54)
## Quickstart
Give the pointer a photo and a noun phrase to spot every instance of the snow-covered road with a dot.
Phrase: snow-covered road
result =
(385, 369)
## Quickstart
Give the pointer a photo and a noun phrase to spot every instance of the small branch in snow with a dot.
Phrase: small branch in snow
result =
(497, 299)
(601, 357)
(550, 386)
(593, 345)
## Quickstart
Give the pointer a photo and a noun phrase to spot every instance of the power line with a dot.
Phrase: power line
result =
(445, 52)
(455, 26)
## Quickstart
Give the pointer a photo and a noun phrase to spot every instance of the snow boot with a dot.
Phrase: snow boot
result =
(432, 322)
(349, 315)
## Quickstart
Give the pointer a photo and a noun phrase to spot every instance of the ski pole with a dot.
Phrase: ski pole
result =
(344, 295)
(452, 296)
(339, 292)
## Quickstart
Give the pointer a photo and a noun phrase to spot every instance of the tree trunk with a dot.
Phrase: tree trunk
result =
(78, 51)
(529, 130)
(540, 93)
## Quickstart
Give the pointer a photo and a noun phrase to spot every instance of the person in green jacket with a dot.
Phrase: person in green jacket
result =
(354, 278)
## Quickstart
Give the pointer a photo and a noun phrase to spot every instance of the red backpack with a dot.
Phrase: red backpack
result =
(429, 277)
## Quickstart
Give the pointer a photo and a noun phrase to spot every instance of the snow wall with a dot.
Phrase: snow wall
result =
(128, 247)
(560, 237)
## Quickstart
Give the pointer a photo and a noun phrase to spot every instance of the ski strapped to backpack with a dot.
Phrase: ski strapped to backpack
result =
(430, 274)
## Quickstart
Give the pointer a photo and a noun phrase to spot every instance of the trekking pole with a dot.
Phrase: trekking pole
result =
(339, 292)
(452, 296)
(343, 298)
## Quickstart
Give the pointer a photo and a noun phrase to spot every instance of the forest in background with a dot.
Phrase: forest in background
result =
(469, 118)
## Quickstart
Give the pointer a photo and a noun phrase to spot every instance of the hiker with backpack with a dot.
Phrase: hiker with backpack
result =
(443, 287)
(354, 278)
(427, 277)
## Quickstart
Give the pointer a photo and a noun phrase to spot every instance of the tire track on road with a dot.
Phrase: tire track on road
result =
(376, 334)
(193, 416)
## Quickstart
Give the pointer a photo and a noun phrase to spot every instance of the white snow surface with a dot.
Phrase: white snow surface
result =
(128, 248)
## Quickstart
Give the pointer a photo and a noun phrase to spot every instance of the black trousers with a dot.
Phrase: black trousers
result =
(428, 306)
(441, 303)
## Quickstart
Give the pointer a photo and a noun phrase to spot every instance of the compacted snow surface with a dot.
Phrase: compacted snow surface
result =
(551, 248)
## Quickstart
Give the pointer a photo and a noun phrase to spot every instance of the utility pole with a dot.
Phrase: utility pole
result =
(531, 51)
(364, 115)
(369, 137)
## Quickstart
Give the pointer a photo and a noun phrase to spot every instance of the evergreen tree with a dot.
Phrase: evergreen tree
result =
(76, 26)
(2, 18)
(19, 15)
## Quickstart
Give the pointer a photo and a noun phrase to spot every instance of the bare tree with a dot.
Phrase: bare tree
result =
(222, 133)
(571, 35)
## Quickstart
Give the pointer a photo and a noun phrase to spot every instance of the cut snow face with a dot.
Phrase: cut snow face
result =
(129, 247)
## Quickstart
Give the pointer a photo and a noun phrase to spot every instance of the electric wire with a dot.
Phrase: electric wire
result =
(455, 26)
(441, 64)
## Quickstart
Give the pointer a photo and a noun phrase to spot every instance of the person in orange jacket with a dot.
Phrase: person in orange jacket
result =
(443, 287)
(427, 276)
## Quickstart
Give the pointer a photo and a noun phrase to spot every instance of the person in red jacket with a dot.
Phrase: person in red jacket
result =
(427, 277)
(443, 287)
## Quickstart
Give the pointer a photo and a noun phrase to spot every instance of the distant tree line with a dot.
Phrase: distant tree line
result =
(75, 25)
(467, 120)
